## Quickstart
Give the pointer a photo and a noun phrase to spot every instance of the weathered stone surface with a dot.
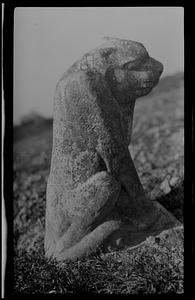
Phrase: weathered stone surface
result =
(93, 189)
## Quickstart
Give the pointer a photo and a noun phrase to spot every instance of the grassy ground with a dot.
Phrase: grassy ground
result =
(152, 269)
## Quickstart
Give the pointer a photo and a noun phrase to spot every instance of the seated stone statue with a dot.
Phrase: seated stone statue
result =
(93, 188)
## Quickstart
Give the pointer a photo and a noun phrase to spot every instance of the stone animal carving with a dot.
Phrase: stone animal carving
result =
(93, 188)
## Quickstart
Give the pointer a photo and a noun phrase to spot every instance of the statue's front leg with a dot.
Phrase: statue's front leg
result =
(132, 200)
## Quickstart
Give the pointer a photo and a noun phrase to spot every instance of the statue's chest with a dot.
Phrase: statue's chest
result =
(127, 123)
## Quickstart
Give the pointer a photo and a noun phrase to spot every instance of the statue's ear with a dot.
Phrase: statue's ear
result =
(107, 52)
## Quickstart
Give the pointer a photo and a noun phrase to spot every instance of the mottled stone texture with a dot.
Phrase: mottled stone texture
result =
(93, 188)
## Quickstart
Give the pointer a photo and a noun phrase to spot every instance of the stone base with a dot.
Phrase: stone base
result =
(166, 226)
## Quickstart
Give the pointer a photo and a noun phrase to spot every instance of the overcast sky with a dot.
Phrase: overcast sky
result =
(48, 40)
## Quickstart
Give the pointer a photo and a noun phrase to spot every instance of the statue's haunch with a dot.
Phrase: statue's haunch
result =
(93, 187)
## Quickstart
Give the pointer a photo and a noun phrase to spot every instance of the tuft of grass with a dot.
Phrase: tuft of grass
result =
(149, 270)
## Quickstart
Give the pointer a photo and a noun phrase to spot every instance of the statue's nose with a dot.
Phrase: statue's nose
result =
(157, 65)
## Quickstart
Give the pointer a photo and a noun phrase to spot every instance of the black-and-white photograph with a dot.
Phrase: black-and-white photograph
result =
(98, 116)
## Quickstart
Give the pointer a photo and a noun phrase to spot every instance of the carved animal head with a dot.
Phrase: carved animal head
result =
(134, 72)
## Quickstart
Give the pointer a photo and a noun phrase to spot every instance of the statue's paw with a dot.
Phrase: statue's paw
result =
(143, 222)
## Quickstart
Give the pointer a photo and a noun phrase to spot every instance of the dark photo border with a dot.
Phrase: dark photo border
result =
(8, 73)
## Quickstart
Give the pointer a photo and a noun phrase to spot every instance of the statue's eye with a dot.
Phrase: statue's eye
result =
(130, 65)
(137, 65)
